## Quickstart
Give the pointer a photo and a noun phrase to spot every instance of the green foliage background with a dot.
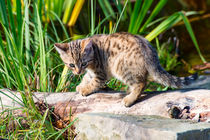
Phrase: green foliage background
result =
(29, 63)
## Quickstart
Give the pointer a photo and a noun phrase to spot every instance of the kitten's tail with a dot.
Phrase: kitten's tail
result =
(158, 73)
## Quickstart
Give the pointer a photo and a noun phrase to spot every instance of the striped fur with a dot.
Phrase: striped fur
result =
(129, 58)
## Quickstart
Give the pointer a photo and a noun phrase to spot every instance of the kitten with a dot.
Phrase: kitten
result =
(129, 58)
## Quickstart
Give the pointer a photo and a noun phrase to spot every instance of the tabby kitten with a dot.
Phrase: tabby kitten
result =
(129, 58)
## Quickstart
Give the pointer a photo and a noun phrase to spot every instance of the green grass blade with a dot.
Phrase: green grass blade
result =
(63, 130)
(62, 79)
(69, 5)
(9, 80)
(11, 18)
(119, 8)
(61, 24)
(118, 21)
(191, 33)
(109, 8)
(99, 24)
(19, 102)
(49, 9)
(60, 7)
(118, 5)
(166, 24)
(105, 11)
(19, 18)
(5, 63)
(155, 21)
(43, 70)
(3, 14)
(54, 30)
(92, 17)
(5, 23)
(156, 10)
(17, 67)
(42, 123)
(27, 33)
(40, 7)
(57, 7)
(134, 15)
(145, 7)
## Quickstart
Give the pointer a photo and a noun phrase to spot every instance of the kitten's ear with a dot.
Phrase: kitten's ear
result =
(89, 48)
(61, 47)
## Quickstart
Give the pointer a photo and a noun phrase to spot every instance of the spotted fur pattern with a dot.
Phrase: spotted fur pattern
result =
(129, 58)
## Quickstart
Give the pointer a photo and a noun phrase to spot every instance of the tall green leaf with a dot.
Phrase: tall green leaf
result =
(156, 10)
(145, 7)
(43, 69)
(191, 33)
(19, 19)
(106, 12)
(134, 15)
(166, 24)
(69, 5)
(27, 32)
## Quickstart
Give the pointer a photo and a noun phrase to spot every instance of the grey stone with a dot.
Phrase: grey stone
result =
(203, 82)
(156, 103)
(133, 126)
(103, 126)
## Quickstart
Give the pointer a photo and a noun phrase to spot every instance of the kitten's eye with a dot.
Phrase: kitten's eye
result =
(84, 64)
(72, 65)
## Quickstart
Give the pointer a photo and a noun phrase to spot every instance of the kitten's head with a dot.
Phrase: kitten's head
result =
(77, 55)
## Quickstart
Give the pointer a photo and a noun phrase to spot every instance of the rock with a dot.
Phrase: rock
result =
(203, 82)
(95, 126)
(170, 104)
(115, 121)
(9, 99)
(197, 101)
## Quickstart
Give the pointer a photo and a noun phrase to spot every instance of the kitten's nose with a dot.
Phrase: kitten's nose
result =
(78, 70)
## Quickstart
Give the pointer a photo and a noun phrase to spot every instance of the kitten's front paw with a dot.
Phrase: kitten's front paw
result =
(84, 91)
(78, 89)
(128, 100)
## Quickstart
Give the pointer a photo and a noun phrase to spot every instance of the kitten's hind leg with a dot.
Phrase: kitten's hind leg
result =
(135, 92)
